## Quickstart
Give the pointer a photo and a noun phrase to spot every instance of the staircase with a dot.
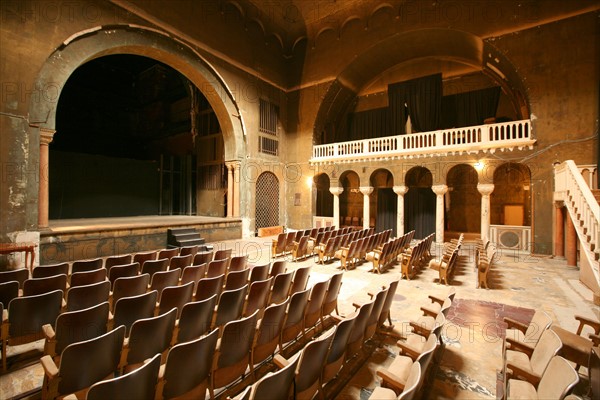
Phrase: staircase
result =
(181, 237)
(584, 208)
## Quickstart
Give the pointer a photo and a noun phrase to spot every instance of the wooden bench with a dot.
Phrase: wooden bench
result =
(270, 231)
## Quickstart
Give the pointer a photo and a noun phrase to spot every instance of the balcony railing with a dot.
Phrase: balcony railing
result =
(471, 139)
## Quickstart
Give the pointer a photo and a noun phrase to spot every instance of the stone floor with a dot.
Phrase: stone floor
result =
(519, 285)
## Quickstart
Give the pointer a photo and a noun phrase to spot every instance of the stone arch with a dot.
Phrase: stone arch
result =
(463, 200)
(324, 201)
(351, 199)
(383, 202)
(510, 202)
(419, 202)
(267, 200)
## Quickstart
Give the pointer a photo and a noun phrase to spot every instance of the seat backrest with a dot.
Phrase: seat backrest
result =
(340, 339)
(237, 279)
(86, 265)
(20, 275)
(276, 385)
(28, 314)
(222, 254)
(333, 290)
(84, 363)
(150, 336)
(162, 279)
(259, 272)
(44, 271)
(539, 323)
(35, 286)
(85, 296)
(257, 296)
(558, 379)
(203, 257)
(300, 280)
(281, 287)
(137, 384)
(188, 365)
(80, 325)
(151, 267)
(193, 273)
(208, 287)
(238, 263)
(217, 267)
(196, 318)
(168, 253)
(594, 372)
(144, 256)
(271, 323)
(236, 340)
(294, 319)
(180, 262)
(130, 309)
(546, 348)
(315, 303)
(278, 267)
(358, 333)
(311, 364)
(427, 352)
(8, 291)
(411, 386)
(87, 278)
(123, 271)
(376, 312)
(230, 305)
(175, 296)
(389, 298)
(129, 286)
(118, 260)
(185, 250)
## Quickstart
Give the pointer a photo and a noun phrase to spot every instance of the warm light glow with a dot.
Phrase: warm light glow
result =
(479, 165)
(309, 181)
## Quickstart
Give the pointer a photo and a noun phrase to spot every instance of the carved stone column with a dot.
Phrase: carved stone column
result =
(559, 229)
(400, 191)
(366, 191)
(229, 189)
(336, 191)
(46, 136)
(485, 189)
(571, 243)
(440, 191)
(236, 189)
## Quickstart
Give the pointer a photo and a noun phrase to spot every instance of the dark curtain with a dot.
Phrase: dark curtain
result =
(369, 124)
(423, 97)
(470, 108)
(419, 211)
(387, 210)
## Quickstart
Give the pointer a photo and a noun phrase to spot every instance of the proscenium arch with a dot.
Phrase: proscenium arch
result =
(458, 46)
(124, 39)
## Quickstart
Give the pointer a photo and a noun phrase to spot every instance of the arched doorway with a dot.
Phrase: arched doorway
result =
(324, 206)
(351, 200)
(267, 200)
(419, 202)
(463, 211)
(384, 202)
(510, 201)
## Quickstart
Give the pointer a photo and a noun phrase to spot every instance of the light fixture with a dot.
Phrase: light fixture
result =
(309, 181)
(479, 165)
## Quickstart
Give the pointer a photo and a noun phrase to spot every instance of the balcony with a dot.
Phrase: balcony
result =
(469, 140)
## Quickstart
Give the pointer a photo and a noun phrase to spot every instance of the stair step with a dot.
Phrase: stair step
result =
(184, 236)
(178, 231)
(181, 237)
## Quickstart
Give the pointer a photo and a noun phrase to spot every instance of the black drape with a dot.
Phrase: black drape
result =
(470, 108)
(369, 124)
(419, 211)
(423, 97)
(397, 108)
(387, 210)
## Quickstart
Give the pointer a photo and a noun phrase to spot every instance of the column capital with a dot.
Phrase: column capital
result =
(336, 190)
(559, 204)
(233, 164)
(439, 189)
(485, 188)
(400, 190)
(46, 136)
(366, 190)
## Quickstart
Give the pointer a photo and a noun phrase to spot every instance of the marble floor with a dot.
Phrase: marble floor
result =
(467, 368)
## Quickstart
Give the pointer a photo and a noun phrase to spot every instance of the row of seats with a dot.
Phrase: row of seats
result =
(385, 256)
(536, 357)
(485, 257)
(415, 256)
(447, 261)
(243, 343)
(338, 246)
(286, 242)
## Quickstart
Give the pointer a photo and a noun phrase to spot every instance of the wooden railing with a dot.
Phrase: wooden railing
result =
(471, 139)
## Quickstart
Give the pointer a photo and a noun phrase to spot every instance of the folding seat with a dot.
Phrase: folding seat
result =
(237, 279)
(337, 353)
(8, 291)
(556, 382)
(268, 333)
(85, 296)
(274, 385)
(577, 347)
(414, 345)
(526, 334)
(217, 267)
(34, 286)
(86, 265)
(310, 366)
(410, 386)
(186, 374)
(180, 262)
(258, 295)
(208, 287)
(532, 364)
(259, 272)
(278, 267)
(26, 316)
(148, 337)
(151, 267)
(195, 319)
(329, 249)
(289, 242)
(75, 326)
(162, 279)
(192, 250)
(87, 278)
(193, 273)
(238, 263)
(356, 339)
(168, 253)
(424, 325)
(278, 245)
(330, 301)
(223, 254)
(300, 279)
(130, 309)
(175, 297)
(294, 317)
(123, 271)
(387, 304)
(232, 356)
(145, 256)
(138, 384)
(129, 286)
(313, 314)
(119, 260)
(373, 321)
(44, 271)
(300, 249)
(230, 306)
(203, 257)
(281, 287)
(82, 364)
(20, 275)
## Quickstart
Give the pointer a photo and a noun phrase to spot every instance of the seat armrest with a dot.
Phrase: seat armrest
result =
(595, 339)
(512, 323)
(435, 299)
(528, 376)
(428, 311)
(409, 351)
(280, 361)
(50, 368)
(519, 346)
(589, 322)
(48, 331)
(391, 379)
